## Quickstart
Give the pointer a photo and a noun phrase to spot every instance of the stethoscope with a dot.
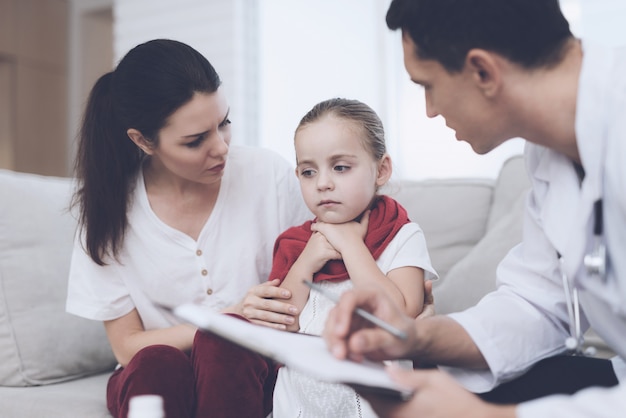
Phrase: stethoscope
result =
(595, 263)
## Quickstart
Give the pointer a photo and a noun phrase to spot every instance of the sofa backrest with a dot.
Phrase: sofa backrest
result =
(39, 342)
(453, 214)
(470, 225)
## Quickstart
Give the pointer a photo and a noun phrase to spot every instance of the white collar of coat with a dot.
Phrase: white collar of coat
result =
(567, 209)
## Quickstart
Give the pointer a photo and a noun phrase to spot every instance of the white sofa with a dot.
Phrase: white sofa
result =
(56, 365)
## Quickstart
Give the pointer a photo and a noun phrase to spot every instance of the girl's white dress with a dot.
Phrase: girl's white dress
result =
(297, 395)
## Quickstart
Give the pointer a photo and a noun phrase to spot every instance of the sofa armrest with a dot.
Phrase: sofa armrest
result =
(39, 342)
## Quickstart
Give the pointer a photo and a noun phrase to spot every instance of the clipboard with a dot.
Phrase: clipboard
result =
(301, 352)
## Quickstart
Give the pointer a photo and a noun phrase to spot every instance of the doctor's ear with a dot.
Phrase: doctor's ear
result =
(139, 140)
(485, 70)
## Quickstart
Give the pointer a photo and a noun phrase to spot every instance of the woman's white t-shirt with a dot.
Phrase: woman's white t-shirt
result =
(259, 198)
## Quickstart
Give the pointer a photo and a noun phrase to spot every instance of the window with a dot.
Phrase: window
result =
(311, 51)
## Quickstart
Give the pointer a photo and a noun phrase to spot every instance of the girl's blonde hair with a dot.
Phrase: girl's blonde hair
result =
(356, 111)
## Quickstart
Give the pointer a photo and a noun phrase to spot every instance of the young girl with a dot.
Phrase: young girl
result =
(358, 237)
(171, 213)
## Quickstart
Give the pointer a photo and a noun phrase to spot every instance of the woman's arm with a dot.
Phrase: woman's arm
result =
(127, 336)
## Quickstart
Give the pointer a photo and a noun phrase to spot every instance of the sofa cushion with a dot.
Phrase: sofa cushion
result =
(512, 182)
(475, 274)
(452, 213)
(83, 398)
(39, 342)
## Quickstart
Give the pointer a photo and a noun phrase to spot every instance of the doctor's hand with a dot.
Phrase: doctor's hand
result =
(350, 336)
(265, 304)
(436, 395)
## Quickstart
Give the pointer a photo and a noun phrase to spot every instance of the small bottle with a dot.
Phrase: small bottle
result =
(146, 406)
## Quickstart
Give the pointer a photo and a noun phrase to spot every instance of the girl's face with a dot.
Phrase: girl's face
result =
(193, 145)
(338, 175)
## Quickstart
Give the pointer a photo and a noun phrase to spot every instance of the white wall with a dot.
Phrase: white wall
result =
(314, 50)
(597, 20)
(224, 31)
(604, 21)
(278, 58)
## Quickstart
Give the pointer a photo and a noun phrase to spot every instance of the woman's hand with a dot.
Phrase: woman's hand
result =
(265, 304)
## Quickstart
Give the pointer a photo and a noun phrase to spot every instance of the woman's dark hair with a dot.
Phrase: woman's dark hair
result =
(150, 83)
(531, 33)
(355, 111)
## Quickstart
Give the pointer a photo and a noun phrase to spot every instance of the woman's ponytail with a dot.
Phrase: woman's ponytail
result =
(151, 82)
(106, 168)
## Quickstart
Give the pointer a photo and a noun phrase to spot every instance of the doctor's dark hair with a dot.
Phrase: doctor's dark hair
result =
(531, 33)
(150, 83)
(359, 113)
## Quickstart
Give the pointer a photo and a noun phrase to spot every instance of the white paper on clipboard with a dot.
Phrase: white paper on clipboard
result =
(304, 353)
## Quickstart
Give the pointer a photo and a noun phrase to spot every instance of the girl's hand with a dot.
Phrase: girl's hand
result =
(345, 235)
(265, 304)
(317, 252)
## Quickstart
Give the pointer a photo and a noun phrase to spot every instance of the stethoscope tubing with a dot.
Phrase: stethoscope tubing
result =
(596, 265)
(573, 342)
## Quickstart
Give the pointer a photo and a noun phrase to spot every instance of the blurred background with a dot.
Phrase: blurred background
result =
(277, 58)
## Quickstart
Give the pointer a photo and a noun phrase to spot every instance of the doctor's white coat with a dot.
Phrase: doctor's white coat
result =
(526, 319)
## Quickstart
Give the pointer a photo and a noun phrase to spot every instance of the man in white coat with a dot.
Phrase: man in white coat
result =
(499, 69)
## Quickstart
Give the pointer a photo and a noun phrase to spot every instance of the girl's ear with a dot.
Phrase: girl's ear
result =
(139, 140)
(384, 170)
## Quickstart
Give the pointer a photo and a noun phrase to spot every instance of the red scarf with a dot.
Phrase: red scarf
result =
(386, 219)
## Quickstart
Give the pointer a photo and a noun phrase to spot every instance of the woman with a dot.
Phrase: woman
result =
(170, 213)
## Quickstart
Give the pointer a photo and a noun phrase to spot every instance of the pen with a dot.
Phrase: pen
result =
(361, 312)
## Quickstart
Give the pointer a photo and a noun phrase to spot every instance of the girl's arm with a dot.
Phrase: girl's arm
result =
(315, 255)
(404, 285)
(127, 336)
